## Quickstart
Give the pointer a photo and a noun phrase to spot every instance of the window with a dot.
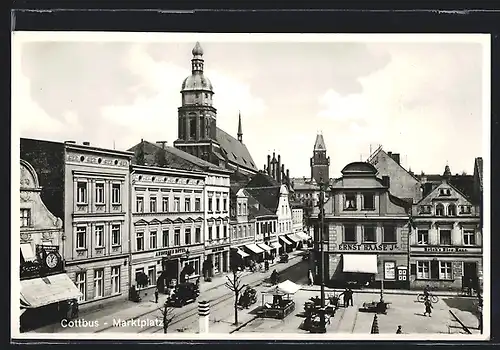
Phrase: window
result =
(139, 207)
(445, 270)
(258, 227)
(25, 217)
(217, 204)
(423, 269)
(469, 237)
(465, 209)
(369, 234)
(81, 192)
(99, 193)
(389, 234)
(422, 236)
(350, 202)
(81, 237)
(116, 193)
(224, 232)
(444, 192)
(152, 275)
(187, 205)
(224, 205)
(368, 201)
(217, 231)
(164, 204)
(187, 236)
(244, 231)
(197, 235)
(165, 238)
(240, 232)
(350, 233)
(452, 210)
(177, 237)
(425, 209)
(115, 234)
(115, 279)
(274, 226)
(98, 283)
(445, 237)
(210, 233)
(81, 284)
(140, 241)
(210, 204)
(152, 240)
(197, 204)
(152, 204)
(439, 210)
(177, 204)
(99, 236)
(239, 208)
(195, 264)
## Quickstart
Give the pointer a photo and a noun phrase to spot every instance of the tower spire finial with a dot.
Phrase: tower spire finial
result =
(240, 131)
(197, 61)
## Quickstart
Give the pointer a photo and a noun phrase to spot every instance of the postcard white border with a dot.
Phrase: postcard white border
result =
(18, 38)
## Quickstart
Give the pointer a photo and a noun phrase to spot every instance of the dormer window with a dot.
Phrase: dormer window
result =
(444, 192)
(452, 210)
(368, 201)
(439, 210)
(425, 209)
(350, 202)
(465, 209)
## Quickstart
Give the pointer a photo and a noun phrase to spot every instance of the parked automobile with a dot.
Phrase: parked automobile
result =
(184, 293)
(248, 298)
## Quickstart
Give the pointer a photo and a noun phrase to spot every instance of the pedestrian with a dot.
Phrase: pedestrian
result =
(428, 307)
(156, 295)
(266, 265)
(349, 297)
(345, 296)
(399, 331)
(311, 278)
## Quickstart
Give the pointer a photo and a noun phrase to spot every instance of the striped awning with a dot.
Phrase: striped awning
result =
(276, 245)
(303, 235)
(254, 248)
(294, 237)
(242, 253)
(285, 240)
(37, 292)
(265, 247)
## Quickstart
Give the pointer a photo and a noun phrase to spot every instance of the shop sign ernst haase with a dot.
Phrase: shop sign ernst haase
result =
(369, 246)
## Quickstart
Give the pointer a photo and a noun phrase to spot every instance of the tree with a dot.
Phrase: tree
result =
(167, 316)
(235, 285)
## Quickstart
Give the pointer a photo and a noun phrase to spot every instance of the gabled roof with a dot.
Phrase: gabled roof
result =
(319, 145)
(235, 151)
(447, 183)
(262, 179)
(463, 183)
(174, 158)
(266, 196)
(379, 150)
(256, 209)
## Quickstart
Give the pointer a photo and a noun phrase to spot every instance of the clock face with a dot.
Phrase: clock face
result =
(51, 260)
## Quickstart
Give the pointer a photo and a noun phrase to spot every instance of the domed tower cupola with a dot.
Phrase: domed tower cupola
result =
(197, 61)
(197, 82)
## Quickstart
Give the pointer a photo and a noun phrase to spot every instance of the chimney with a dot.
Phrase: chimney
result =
(268, 164)
(396, 158)
(86, 143)
(278, 172)
(282, 174)
(161, 143)
(389, 154)
(386, 181)
(288, 174)
(70, 142)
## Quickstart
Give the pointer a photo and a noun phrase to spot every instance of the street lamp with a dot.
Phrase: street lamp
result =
(322, 328)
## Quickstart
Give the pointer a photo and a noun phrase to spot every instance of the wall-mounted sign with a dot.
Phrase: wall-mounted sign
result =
(389, 270)
(171, 252)
(219, 249)
(369, 247)
(435, 249)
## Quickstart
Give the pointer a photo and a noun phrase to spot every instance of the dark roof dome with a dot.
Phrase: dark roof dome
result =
(197, 82)
(359, 168)
(197, 50)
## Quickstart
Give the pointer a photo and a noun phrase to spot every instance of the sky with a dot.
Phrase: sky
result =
(420, 99)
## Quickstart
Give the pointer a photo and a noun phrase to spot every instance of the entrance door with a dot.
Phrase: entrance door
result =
(170, 271)
(470, 275)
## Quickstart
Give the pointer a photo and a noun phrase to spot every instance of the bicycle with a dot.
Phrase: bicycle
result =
(421, 298)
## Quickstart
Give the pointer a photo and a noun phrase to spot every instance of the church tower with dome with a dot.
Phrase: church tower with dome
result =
(198, 133)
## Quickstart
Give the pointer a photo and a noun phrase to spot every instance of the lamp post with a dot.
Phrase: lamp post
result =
(322, 255)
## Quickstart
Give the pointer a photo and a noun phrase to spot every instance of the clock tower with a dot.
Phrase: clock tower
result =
(320, 163)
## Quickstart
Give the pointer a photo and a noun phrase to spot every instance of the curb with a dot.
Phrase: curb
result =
(244, 324)
(389, 291)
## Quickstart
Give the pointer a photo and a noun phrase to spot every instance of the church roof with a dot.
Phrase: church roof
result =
(174, 158)
(267, 196)
(234, 150)
(319, 145)
(262, 180)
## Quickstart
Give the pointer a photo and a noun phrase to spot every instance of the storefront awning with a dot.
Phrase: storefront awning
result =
(242, 253)
(276, 245)
(285, 240)
(37, 292)
(27, 252)
(361, 263)
(294, 237)
(265, 247)
(303, 235)
(254, 248)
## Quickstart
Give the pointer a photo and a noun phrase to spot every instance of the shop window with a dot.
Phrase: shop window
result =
(434, 269)
(140, 241)
(115, 234)
(423, 269)
(81, 193)
(445, 270)
(389, 234)
(99, 283)
(152, 204)
(445, 237)
(115, 194)
(422, 236)
(81, 237)
(439, 210)
(115, 279)
(197, 235)
(369, 234)
(177, 237)
(139, 204)
(452, 210)
(187, 236)
(350, 202)
(99, 193)
(164, 204)
(350, 234)
(469, 237)
(81, 284)
(165, 238)
(25, 217)
(368, 201)
(195, 263)
(152, 275)
(152, 240)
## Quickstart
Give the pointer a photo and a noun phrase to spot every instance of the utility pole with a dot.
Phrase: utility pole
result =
(322, 252)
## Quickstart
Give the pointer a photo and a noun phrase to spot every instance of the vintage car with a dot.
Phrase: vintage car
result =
(184, 293)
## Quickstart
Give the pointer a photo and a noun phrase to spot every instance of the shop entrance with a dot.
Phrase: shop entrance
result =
(170, 271)
(470, 275)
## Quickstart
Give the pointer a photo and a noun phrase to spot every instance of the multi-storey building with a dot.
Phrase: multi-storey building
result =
(41, 258)
(365, 237)
(242, 227)
(446, 243)
(89, 188)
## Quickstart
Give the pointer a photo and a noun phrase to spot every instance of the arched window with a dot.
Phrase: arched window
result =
(192, 127)
(439, 210)
(452, 210)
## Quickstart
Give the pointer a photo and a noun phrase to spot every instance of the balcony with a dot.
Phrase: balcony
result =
(217, 242)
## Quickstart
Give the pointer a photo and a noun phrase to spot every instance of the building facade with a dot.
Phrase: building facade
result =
(167, 226)
(446, 242)
(242, 228)
(320, 163)
(365, 238)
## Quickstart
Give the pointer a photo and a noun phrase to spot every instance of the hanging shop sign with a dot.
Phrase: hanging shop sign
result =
(369, 247)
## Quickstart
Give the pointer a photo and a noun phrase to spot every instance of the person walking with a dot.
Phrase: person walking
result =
(428, 307)
(349, 297)
(345, 296)
(399, 331)
(156, 295)
(310, 277)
